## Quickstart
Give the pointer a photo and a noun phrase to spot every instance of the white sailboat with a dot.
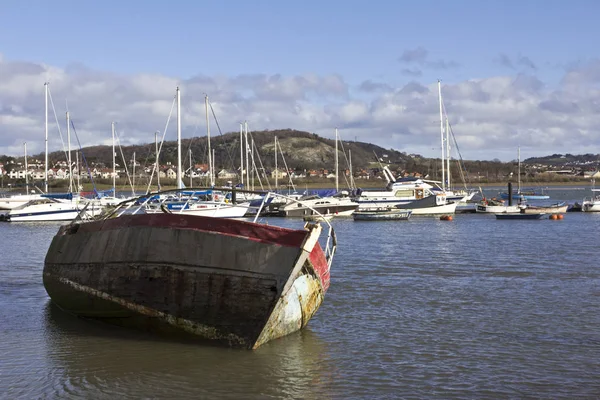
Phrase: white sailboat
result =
(17, 200)
(339, 204)
(209, 203)
(53, 207)
(459, 196)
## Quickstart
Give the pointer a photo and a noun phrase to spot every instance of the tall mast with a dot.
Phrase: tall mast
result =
(179, 181)
(133, 173)
(157, 164)
(46, 151)
(337, 180)
(276, 172)
(114, 162)
(247, 157)
(26, 170)
(442, 133)
(350, 167)
(69, 153)
(78, 172)
(191, 181)
(519, 171)
(448, 152)
(210, 160)
(242, 153)
(253, 163)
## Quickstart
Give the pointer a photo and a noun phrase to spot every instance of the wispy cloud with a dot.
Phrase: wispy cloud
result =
(504, 61)
(417, 55)
(519, 61)
(526, 62)
(369, 86)
(412, 72)
(420, 56)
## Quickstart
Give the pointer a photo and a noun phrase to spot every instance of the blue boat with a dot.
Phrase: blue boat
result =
(529, 194)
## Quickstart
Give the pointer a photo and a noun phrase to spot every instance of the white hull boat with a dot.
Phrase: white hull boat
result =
(45, 209)
(591, 204)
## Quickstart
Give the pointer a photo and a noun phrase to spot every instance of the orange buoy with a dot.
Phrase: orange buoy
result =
(560, 216)
(446, 218)
(553, 216)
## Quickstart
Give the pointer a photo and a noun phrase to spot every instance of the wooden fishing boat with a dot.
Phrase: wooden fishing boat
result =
(559, 208)
(234, 282)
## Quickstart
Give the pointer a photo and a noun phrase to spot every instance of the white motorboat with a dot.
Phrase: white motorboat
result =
(591, 204)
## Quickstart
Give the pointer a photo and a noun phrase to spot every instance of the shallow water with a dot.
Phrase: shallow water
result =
(469, 308)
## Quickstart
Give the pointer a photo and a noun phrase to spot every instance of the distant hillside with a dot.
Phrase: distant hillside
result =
(301, 150)
(306, 151)
(565, 159)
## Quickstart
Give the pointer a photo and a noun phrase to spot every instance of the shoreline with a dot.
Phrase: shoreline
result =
(363, 184)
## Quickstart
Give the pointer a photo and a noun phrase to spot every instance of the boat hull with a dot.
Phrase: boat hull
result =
(298, 211)
(392, 215)
(519, 215)
(227, 281)
(590, 206)
(487, 208)
(548, 210)
(66, 214)
(430, 205)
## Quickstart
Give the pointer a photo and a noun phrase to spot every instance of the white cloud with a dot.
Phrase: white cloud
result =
(491, 116)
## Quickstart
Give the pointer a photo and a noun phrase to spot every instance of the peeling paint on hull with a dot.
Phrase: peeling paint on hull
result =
(231, 282)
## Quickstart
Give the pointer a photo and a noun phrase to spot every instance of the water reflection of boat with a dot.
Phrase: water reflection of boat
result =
(101, 361)
(229, 281)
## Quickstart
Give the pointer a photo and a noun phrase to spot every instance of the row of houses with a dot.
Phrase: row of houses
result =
(168, 172)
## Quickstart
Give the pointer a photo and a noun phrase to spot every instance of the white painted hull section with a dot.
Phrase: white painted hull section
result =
(58, 215)
(223, 211)
(497, 209)
(209, 209)
(444, 209)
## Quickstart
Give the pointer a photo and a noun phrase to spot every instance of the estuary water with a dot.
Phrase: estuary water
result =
(472, 308)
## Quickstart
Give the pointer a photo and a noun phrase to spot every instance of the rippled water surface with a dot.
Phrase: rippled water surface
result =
(469, 308)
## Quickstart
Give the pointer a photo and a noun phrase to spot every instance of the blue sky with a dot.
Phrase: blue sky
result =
(389, 44)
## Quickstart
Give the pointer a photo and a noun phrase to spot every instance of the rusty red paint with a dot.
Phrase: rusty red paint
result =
(319, 262)
(257, 232)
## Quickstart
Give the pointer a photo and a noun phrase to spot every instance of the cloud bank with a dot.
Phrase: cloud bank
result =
(491, 116)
